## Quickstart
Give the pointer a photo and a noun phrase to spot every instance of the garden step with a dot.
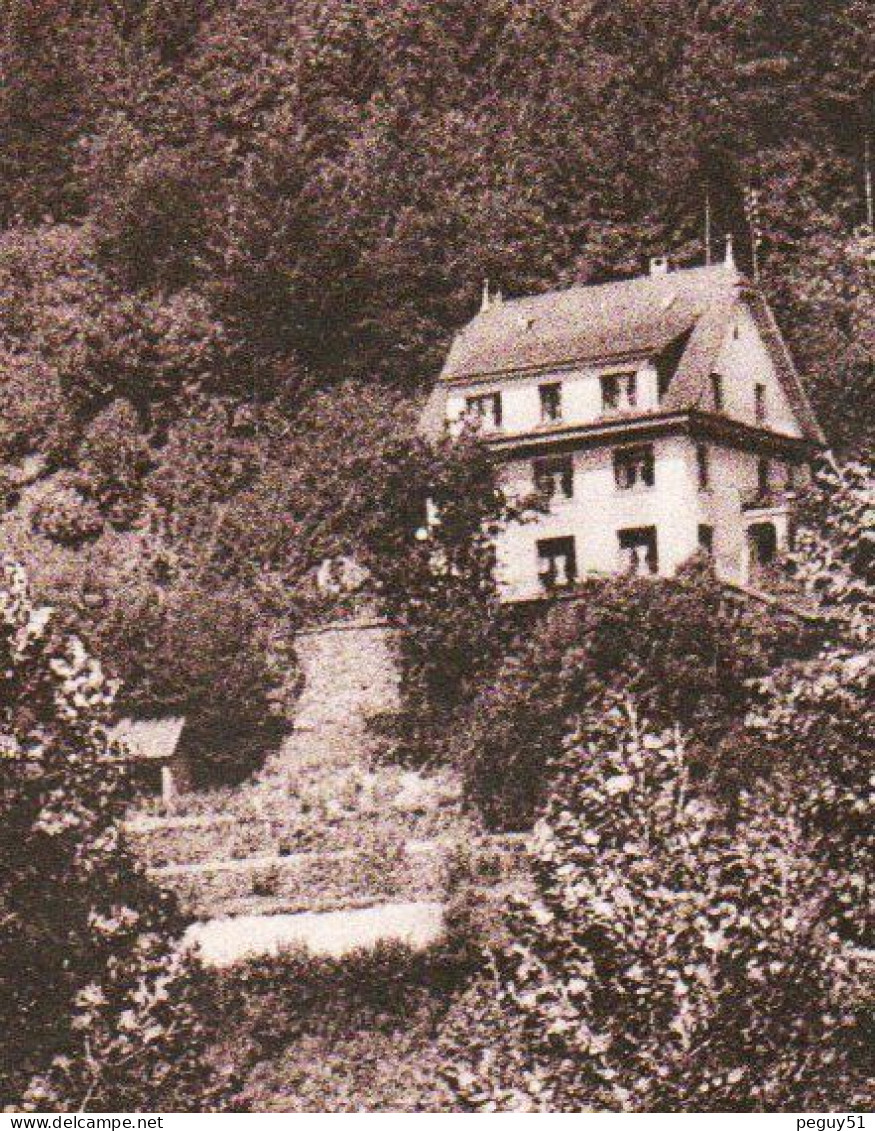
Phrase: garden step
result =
(227, 840)
(310, 881)
(357, 809)
(223, 942)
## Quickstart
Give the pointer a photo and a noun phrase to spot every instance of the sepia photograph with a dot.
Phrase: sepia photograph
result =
(437, 559)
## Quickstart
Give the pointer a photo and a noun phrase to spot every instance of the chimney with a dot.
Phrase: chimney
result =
(658, 265)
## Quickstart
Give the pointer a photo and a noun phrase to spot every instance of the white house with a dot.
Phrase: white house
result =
(661, 415)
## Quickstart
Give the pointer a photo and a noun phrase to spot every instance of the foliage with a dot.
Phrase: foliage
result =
(34, 414)
(353, 1033)
(96, 1002)
(663, 963)
(63, 515)
(431, 550)
(332, 183)
(816, 717)
(217, 216)
(823, 282)
(195, 646)
(112, 462)
(685, 647)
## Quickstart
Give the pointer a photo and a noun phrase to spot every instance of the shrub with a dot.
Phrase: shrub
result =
(98, 1008)
(429, 545)
(34, 415)
(684, 646)
(353, 1033)
(197, 647)
(663, 963)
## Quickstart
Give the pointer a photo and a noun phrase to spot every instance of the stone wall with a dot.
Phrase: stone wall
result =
(349, 673)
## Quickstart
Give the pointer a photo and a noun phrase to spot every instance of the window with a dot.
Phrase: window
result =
(610, 393)
(634, 467)
(619, 391)
(759, 394)
(638, 555)
(717, 392)
(790, 477)
(554, 476)
(706, 539)
(485, 408)
(551, 403)
(557, 562)
(764, 474)
(763, 543)
(703, 467)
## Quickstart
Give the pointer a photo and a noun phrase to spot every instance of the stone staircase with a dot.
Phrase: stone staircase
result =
(321, 830)
(326, 829)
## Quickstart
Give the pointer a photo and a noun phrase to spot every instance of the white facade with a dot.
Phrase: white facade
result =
(638, 480)
(599, 512)
(581, 395)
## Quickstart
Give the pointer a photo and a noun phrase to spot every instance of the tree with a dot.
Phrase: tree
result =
(663, 963)
(815, 717)
(430, 548)
(98, 1005)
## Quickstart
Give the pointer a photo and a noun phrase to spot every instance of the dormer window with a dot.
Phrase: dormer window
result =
(554, 477)
(634, 467)
(759, 394)
(486, 409)
(717, 392)
(551, 402)
(619, 391)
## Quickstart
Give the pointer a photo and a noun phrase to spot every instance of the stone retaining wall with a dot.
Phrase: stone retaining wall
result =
(349, 672)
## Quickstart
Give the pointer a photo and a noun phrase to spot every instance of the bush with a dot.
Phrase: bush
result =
(684, 646)
(34, 414)
(351, 1033)
(663, 963)
(197, 647)
(429, 545)
(98, 1007)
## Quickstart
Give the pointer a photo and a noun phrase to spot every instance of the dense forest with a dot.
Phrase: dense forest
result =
(257, 198)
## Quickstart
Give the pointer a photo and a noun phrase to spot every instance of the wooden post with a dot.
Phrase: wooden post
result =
(168, 786)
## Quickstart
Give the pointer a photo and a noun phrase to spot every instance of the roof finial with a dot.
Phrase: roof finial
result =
(485, 302)
(730, 256)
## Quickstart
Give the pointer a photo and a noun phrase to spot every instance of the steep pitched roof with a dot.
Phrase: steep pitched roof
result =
(588, 323)
(639, 317)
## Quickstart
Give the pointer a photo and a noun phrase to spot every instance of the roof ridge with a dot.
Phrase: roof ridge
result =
(719, 269)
